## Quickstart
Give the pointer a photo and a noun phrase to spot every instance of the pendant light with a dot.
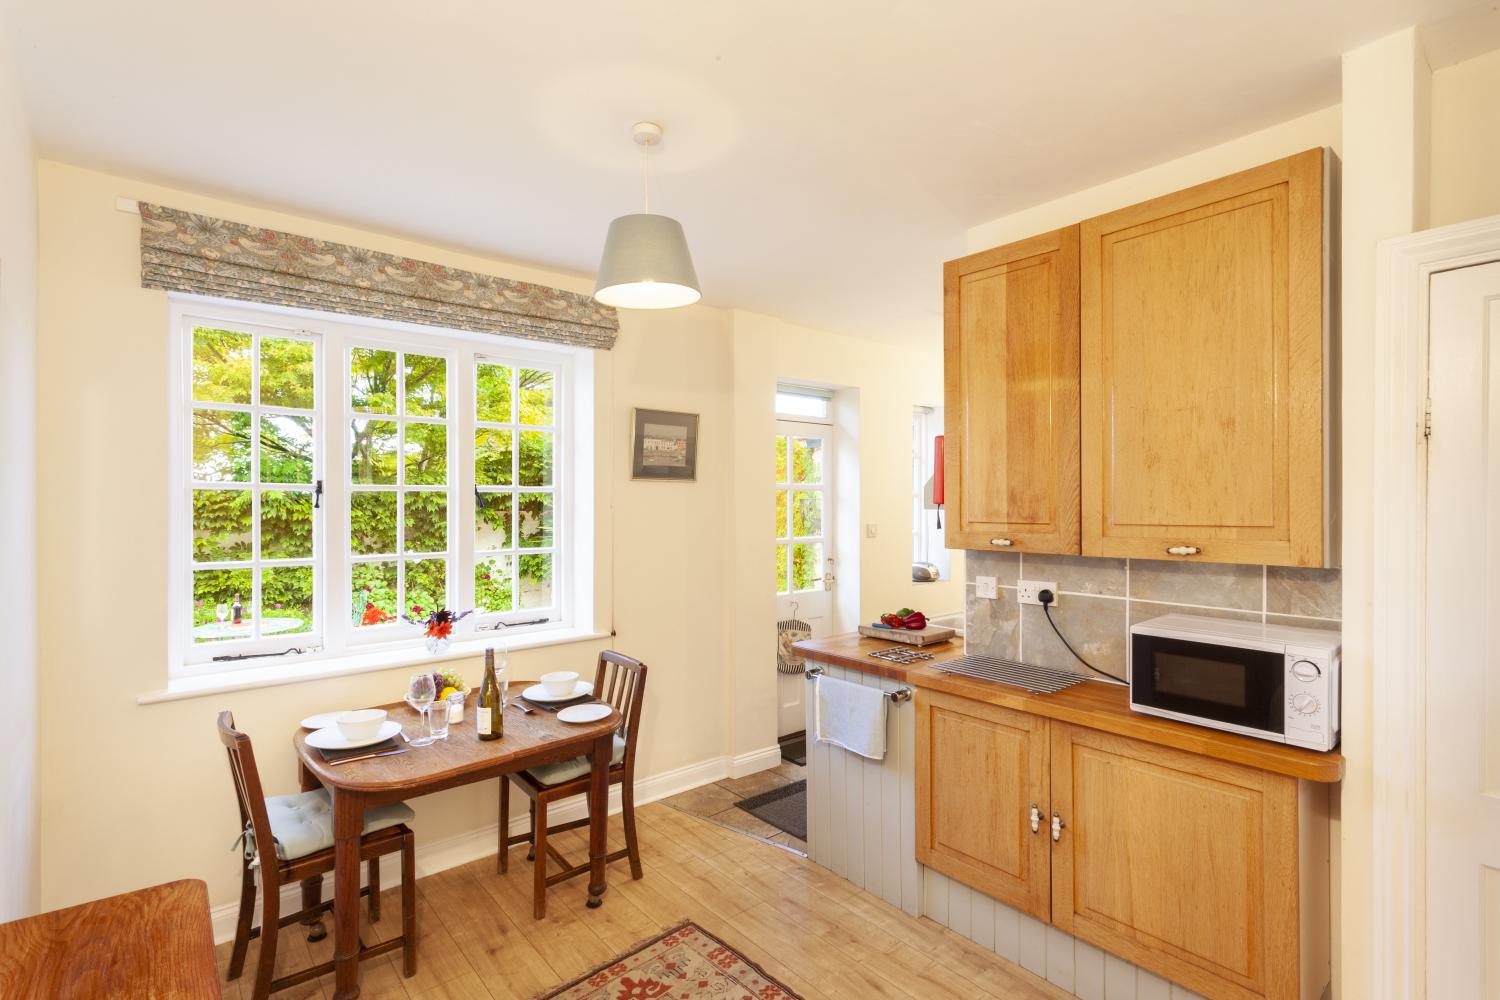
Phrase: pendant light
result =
(646, 264)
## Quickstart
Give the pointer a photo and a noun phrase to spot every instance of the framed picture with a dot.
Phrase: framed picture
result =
(665, 446)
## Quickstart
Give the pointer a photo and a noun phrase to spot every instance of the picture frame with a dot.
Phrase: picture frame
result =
(664, 446)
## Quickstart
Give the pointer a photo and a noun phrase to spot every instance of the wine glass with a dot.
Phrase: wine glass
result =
(419, 695)
(221, 611)
(502, 661)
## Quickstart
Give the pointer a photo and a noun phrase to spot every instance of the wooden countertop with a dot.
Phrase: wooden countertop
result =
(155, 942)
(1096, 705)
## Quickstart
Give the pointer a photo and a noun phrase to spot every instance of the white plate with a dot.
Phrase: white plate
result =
(321, 721)
(538, 693)
(584, 713)
(332, 739)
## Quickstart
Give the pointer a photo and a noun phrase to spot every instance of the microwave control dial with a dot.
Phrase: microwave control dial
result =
(1306, 671)
(1305, 704)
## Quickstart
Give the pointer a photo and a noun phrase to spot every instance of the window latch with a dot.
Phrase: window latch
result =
(317, 494)
(479, 502)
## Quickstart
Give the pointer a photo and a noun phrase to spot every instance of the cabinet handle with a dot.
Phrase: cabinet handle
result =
(1183, 550)
(1057, 827)
(1036, 818)
(1003, 542)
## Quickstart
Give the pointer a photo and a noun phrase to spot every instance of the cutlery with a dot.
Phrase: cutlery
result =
(372, 756)
(517, 704)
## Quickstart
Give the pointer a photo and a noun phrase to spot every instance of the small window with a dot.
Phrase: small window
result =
(796, 402)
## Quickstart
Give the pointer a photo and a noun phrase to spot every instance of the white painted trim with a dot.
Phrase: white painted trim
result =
(1404, 267)
(450, 852)
(755, 761)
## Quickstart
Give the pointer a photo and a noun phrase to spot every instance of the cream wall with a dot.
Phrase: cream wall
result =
(673, 579)
(1465, 169)
(18, 659)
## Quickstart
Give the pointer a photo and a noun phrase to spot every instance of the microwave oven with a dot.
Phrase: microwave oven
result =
(1275, 682)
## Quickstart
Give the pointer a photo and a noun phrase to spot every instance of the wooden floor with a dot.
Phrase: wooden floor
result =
(804, 925)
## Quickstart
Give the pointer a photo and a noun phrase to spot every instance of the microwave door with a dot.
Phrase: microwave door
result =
(1232, 686)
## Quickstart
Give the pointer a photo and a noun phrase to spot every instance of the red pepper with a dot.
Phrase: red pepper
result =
(916, 621)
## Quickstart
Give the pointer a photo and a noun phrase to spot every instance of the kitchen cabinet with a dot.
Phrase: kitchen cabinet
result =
(1203, 357)
(981, 796)
(1011, 384)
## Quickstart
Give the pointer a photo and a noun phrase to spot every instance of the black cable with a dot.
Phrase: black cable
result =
(1047, 610)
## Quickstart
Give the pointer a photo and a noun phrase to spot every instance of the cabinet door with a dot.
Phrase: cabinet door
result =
(1203, 355)
(1181, 864)
(980, 770)
(1010, 362)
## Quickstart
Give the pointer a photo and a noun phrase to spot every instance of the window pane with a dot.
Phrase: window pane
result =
(286, 449)
(781, 459)
(493, 585)
(781, 569)
(534, 523)
(372, 380)
(535, 580)
(426, 586)
(222, 531)
(286, 600)
(492, 521)
(373, 452)
(372, 523)
(286, 524)
(221, 366)
(781, 513)
(801, 405)
(807, 513)
(807, 460)
(426, 386)
(221, 446)
(536, 397)
(426, 522)
(493, 397)
(426, 454)
(374, 597)
(536, 458)
(492, 458)
(286, 372)
(807, 566)
(214, 594)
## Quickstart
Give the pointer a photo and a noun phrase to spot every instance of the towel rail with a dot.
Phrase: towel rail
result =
(898, 696)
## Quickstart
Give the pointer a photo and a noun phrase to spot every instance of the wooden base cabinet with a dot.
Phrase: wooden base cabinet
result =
(1210, 874)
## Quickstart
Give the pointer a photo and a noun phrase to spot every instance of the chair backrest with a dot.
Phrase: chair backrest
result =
(620, 681)
(250, 796)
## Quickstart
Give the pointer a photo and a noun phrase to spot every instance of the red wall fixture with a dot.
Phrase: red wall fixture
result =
(937, 470)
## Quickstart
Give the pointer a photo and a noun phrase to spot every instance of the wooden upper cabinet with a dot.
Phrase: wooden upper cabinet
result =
(1203, 330)
(1010, 363)
(980, 770)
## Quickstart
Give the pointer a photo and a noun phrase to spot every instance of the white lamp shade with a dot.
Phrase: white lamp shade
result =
(646, 265)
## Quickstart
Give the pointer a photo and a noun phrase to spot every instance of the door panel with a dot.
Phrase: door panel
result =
(979, 832)
(1010, 321)
(1202, 371)
(804, 485)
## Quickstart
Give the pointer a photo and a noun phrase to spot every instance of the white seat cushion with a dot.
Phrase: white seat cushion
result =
(303, 823)
(565, 771)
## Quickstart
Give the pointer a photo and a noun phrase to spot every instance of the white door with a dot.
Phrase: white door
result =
(1463, 638)
(805, 560)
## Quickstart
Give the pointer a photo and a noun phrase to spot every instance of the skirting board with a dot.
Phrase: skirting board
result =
(440, 855)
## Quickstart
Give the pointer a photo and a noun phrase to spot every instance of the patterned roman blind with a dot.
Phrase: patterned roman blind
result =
(186, 252)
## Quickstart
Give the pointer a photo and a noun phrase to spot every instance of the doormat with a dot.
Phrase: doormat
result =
(795, 751)
(785, 808)
(685, 963)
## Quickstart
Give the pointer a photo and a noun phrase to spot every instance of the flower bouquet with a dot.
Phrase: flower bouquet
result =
(439, 627)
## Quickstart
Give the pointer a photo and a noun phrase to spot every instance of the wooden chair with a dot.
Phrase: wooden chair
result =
(385, 833)
(621, 682)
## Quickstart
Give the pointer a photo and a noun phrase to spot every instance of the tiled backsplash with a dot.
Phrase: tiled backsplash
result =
(1101, 598)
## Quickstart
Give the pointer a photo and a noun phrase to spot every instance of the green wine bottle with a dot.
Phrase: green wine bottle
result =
(488, 719)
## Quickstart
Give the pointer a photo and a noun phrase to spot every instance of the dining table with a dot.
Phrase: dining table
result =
(529, 739)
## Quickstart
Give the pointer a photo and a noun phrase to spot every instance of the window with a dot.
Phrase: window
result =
(927, 541)
(343, 479)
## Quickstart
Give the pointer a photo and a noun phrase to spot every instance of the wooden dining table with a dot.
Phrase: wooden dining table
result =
(461, 759)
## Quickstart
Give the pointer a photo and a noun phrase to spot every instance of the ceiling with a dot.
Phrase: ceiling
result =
(825, 157)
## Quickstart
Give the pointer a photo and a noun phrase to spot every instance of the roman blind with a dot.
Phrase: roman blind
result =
(187, 252)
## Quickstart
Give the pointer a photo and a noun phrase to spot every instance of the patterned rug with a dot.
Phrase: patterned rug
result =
(685, 963)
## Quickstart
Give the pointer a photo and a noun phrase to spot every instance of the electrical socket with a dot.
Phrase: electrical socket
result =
(984, 587)
(1026, 591)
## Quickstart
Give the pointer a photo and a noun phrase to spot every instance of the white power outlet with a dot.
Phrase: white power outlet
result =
(984, 587)
(1026, 591)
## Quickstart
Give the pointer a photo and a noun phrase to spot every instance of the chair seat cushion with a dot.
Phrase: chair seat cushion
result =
(303, 823)
(565, 771)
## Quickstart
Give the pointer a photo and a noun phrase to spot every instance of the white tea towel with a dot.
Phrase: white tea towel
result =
(850, 716)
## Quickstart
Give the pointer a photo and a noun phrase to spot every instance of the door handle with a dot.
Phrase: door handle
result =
(1002, 542)
(1036, 818)
(1183, 550)
(1057, 827)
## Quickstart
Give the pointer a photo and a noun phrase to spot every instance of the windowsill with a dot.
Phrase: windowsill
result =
(292, 672)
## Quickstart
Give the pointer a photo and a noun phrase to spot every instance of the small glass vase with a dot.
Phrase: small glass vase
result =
(436, 646)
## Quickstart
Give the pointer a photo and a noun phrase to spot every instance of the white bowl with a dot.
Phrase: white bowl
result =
(560, 684)
(360, 725)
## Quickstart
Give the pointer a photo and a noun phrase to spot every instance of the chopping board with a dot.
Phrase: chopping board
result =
(914, 637)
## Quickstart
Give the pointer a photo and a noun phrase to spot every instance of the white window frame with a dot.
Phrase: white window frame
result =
(334, 635)
(820, 426)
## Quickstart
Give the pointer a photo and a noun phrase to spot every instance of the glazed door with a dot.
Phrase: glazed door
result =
(805, 560)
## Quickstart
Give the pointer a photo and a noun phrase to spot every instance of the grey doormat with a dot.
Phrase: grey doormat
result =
(785, 808)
